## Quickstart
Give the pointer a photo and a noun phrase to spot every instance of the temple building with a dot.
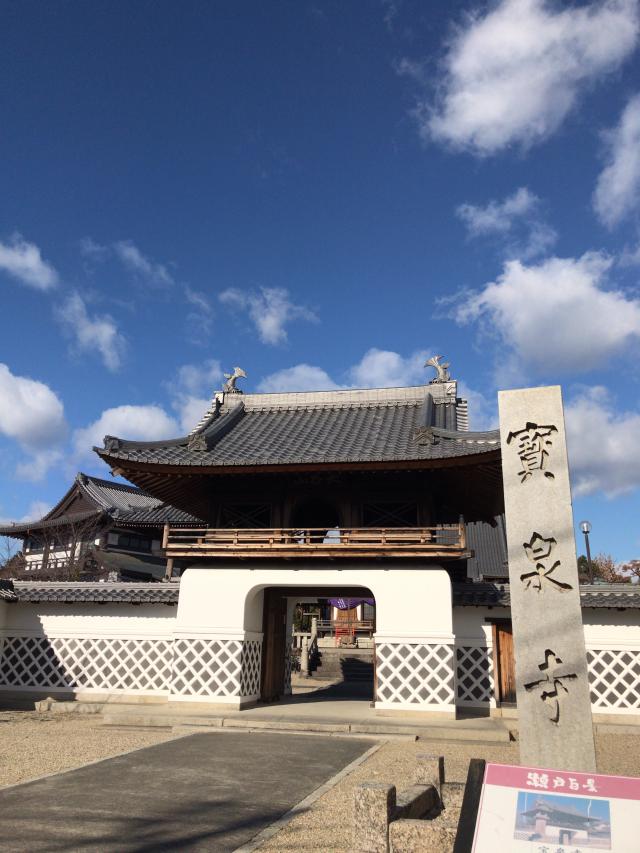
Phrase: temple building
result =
(382, 499)
(99, 527)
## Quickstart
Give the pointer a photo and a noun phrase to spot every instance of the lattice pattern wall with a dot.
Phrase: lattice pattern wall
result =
(216, 668)
(474, 675)
(420, 674)
(78, 662)
(251, 668)
(614, 679)
(288, 664)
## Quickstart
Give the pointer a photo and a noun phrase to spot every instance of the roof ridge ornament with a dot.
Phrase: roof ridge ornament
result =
(442, 369)
(229, 386)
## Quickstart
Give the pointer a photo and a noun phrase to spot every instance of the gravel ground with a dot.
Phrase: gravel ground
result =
(328, 825)
(34, 744)
(31, 745)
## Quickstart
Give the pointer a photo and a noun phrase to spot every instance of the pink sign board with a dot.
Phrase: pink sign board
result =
(556, 811)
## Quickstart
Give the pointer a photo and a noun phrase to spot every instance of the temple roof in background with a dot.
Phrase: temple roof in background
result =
(93, 498)
(416, 424)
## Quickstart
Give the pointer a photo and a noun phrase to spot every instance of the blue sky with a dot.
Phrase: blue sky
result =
(322, 193)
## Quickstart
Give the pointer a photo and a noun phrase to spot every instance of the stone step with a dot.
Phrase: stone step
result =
(135, 716)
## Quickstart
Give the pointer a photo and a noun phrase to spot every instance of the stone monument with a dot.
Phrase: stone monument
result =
(552, 686)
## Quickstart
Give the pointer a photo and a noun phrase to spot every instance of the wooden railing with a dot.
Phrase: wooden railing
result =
(444, 541)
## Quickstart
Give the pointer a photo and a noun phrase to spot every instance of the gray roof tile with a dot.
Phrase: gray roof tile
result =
(377, 431)
(102, 593)
(618, 596)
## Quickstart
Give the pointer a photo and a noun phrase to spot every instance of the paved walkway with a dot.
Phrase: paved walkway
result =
(329, 709)
(206, 792)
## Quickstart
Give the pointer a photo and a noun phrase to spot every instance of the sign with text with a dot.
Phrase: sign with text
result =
(556, 811)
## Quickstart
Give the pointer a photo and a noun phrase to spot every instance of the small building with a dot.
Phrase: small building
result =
(98, 527)
(383, 496)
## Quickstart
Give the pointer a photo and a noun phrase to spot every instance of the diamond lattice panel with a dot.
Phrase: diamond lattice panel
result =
(251, 668)
(474, 675)
(421, 674)
(80, 662)
(207, 667)
(614, 677)
(288, 661)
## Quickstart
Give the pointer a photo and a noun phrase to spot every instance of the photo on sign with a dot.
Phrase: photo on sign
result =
(554, 819)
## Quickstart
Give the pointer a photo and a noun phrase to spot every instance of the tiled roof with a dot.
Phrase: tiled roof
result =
(103, 593)
(396, 424)
(615, 596)
(121, 502)
(50, 523)
(7, 592)
(132, 505)
(489, 545)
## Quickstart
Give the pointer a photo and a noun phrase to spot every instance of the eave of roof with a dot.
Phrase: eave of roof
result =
(617, 596)
(45, 523)
(607, 596)
(32, 592)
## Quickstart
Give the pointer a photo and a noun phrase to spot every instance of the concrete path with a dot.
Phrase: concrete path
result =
(205, 792)
(325, 710)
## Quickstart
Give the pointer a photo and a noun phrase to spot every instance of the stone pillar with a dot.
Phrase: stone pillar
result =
(552, 686)
(374, 805)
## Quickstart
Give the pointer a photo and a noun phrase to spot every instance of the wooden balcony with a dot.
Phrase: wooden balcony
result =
(442, 542)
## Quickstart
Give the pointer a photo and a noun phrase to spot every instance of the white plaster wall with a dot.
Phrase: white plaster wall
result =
(88, 620)
(469, 623)
(603, 628)
(226, 600)
(619, 629)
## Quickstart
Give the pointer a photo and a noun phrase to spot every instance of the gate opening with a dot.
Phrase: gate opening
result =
(318, 645)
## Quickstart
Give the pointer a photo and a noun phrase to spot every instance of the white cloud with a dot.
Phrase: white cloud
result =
(557, 315)
(617, 191)
(270, 310)
(603, 445)
(30, 412)
(139, 423)
(200, 315)
(376, 369)
(36, 466)
(92, 250)
(301, 377)
(36, 511)
(92, 333)
(515, 221)
(512, 74)
(386, 369)
(192, 390)
(23, 261)
(134, 260)
(32, 415)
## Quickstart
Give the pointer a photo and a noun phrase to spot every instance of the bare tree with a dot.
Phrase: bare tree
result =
(605, 568)
(67, 551)
(632, 569)
(11, 557)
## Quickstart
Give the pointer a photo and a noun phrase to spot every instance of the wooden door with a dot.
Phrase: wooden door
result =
(273, 645)
(504, 662)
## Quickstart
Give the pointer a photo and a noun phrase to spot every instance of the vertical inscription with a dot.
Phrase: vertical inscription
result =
(551, 670)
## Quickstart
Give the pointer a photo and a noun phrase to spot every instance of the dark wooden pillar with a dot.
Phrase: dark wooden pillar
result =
(273, 645)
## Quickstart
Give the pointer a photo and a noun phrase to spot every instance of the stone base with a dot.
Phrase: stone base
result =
(420, 836)
(384, 709)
